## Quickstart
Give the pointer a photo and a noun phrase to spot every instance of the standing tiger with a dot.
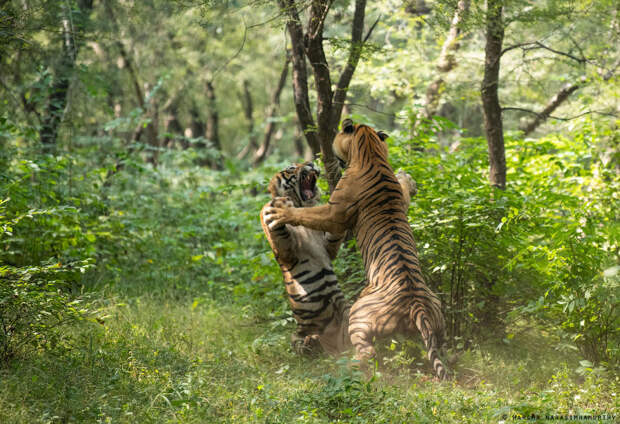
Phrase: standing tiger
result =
(305, 255)
(368, 200)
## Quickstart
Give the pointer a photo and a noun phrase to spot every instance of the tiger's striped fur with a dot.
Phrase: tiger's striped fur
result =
(304, 256)
(368, 200)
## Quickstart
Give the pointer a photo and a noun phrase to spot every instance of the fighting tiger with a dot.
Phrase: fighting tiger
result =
(305, 255)
(368, 200)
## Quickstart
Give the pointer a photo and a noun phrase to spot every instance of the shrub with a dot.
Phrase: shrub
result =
(35, 299)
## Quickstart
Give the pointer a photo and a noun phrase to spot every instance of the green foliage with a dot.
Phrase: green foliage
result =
(540, 247)
(44, 256)
(578, 240)
(34, 304)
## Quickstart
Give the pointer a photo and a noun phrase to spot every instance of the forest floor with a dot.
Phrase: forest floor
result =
(155, 359)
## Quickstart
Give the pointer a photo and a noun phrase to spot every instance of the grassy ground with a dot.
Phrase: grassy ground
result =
(156, 359)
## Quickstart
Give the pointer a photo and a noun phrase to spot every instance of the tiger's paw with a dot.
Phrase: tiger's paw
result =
(277, 215)
(307, 346)
(281, 202)
(407, 181)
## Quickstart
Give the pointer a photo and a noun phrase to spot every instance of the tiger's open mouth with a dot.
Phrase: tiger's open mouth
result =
(307, 186)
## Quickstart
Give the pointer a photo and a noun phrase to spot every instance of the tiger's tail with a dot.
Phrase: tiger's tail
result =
(433, 356)
(431, 337)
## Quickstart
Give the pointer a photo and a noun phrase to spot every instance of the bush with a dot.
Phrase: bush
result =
(35, 298)
(34, 304)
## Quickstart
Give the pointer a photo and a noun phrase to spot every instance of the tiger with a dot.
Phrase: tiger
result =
(369, 201)
(305, 256)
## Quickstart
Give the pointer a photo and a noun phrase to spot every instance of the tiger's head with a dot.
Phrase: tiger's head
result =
(345, 145)
(297, 182)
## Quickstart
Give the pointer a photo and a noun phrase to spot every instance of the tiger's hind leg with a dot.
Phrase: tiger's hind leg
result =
(361, 331)
(420, 318)
(306, 345)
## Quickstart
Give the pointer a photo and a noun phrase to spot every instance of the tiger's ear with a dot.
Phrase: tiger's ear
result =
(347, 126)
(383, 136)
(272, 188)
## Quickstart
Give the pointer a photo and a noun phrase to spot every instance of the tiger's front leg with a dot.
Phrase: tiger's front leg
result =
(279, 237)
(408, 186)
(329, 218)
(332, 243)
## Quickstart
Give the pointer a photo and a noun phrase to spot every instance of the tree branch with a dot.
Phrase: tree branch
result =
(261, 153)
(557, 101)
(234, 56)
(581, 60)
(534, 45)
(372, 28)
(355, 52)
(560, 118)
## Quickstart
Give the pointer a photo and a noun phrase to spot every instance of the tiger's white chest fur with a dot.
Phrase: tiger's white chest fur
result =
(312, 260)
(309, 244)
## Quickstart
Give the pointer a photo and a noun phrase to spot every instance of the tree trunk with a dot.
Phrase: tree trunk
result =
(261, 153)
(72, 29)
(213, 132)
(173, 128)
(489, 317)
(133, 74)
(446, 61)
(196, 124)
(355, 52)
(490, 100)
(300, 74)
(248, 110)
(299, 143)
(329, 103)
(53, 113)
(313, 41)
(152, 132)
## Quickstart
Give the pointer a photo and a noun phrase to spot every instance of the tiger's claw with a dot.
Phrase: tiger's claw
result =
(276, 217)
